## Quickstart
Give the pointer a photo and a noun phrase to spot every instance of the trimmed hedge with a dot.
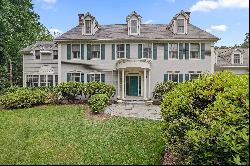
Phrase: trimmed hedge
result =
(98, 102)
(162, 88)
(206, 120)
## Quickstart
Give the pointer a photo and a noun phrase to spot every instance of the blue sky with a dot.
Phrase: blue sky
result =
(226, 19)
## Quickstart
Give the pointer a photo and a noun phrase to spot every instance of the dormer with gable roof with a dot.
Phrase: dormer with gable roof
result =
(89, 24)
(178, 24)
(134, 23)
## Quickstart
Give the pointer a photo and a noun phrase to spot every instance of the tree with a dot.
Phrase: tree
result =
(245, 44)
(19, 27)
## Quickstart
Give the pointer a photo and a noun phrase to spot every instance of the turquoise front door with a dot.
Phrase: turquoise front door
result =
(133, 86)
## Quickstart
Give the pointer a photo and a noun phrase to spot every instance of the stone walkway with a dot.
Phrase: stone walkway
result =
(134, 110)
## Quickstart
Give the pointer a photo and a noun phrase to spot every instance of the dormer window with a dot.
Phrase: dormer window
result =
(236, 59)
(134, 26)
(180, 25)
(87, 26)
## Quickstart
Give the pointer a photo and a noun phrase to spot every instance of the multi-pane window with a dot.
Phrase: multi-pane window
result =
(43, 80)
(147, 50)
(95, 77)
(120, 50)
(88, 26)
(173, 51)
(180, 25)
(174, 77)
(236, 58)
(55, 54)
(95, 51)
(133, 26)
(50, 80)
(32, 80)
(37, 54)
(75, 77)
(194, 76)
(195, 50)
(76, 51)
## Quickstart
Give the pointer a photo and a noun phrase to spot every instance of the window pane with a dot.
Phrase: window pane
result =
(120, 51)
(42, 80)
(88, 26)
(147, 50)
(75, 47)
(194, 76)
(133, 26)
(55, 54)
(95, 51)
(37, 54)
(180, 25)
(50, 80)
(97, 77)
(173, 77)
(237, 58)
(56, 79)
(195, 50)
(173, 51)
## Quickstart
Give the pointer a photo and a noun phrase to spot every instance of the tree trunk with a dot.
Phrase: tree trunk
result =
(11, 74)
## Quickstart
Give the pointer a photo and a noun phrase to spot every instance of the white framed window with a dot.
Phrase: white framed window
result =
(174, 77)
(37, 55)
(95, 51)
(76, 51)
(147, 50)
(193, 76)
(95, 77)
(55, 54)
(32, 80)
(195, 51)
(120, 51)
(173, 51)
(50, 80)
(134, 25)
(88, 27)
(180, 25)
(75, 77)
(236, 59)
(43, 80)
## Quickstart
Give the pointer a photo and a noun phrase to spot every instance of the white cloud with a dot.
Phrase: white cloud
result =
(208, 5)
(49, 1)
(208, 30)
(222, 28)
(172, 1)
(55, 32)
(148, 22)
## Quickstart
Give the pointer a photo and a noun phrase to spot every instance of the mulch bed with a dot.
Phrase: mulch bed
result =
(92, 116)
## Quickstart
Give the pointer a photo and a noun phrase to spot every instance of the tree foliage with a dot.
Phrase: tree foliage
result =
(19, 27)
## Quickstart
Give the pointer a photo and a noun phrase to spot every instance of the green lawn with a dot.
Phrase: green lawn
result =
(63, 135)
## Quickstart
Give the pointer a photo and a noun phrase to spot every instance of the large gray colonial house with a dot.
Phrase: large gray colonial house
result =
(131, 56)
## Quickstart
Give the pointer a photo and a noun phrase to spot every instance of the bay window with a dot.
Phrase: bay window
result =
(120, 50)
(194, 50)
(76, 51)
(173, 51)
(147, 50)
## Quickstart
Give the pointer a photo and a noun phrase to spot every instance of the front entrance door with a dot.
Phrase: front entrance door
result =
(133, 86)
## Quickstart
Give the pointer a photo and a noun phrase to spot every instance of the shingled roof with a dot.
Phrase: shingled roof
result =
(224, 56)
(42, 46)
(148, 32)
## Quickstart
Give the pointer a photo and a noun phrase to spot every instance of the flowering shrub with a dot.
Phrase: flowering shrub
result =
(98, 102)
(206, 120)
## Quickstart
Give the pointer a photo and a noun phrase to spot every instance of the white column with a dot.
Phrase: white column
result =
(118, 87)
(59, 63)
(145, 84)
(149, 83)
(123, 84)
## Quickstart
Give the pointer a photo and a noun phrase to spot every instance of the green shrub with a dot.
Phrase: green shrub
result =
(98, 102)
(23, 97)
(92, 88)
(69, 90)
(162, 88)
(206, 120)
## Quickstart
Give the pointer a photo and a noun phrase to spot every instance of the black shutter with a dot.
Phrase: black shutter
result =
(202, 50)
(128, 51)
(88, 51)
(68, 51)
(113, 51)
(154, 52)
(102, 51)
(139, 51)
(82, 51)
(166, 51)
(180, 50)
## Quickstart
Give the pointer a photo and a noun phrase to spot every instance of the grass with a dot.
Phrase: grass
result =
(64, 135)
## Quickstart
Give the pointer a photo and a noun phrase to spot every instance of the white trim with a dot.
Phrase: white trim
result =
(184, 32)
(232, 57)
(125, 51)
(84, 27)
(99, 51)
(190, 51)
(169, 58)
(72, 58)
(143, 50)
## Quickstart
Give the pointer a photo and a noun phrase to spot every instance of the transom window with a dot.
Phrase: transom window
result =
(32, 80)
(76, 51)
(88, 26)
(55, 54)
(74, 77)
(95, 51)
(37, 54)
(147, 50)
(95, 77)
(195, 50)
(174, 77)
(180, 25)
(236, 59)
(173, 51)
(120, 50)
(133, 26)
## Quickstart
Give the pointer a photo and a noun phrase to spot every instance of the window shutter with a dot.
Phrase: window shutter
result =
(180, 77)
(166, 51)
(186, 77)
(139, 51)
(154, 51)
(165, 77)
(102, 51)
(113, 51)
(186, 50)
(103, 77)
(68, 77)
(68, 51)
(82, 77)
(202, 50)
(180, 50)
(128, 51)
(88, 51)
(82, 51)
(88, 77)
